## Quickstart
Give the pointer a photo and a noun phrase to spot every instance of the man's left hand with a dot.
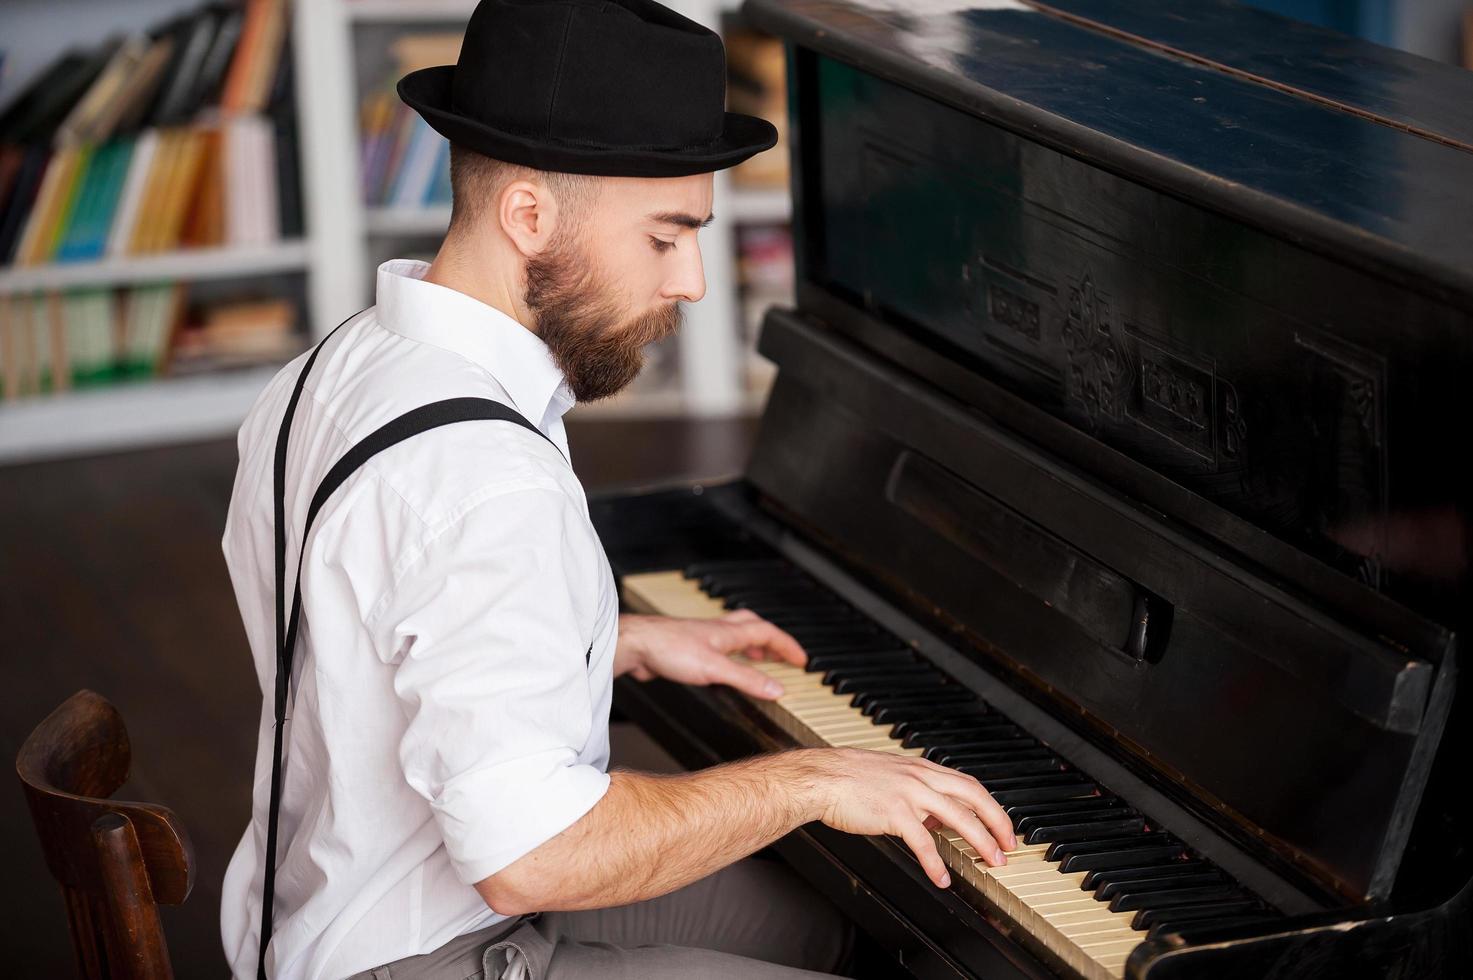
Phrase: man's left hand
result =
(697, 651)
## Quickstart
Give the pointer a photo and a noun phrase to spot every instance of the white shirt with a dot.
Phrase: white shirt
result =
(444, 721)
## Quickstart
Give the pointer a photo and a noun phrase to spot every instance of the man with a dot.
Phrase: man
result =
(445, 810)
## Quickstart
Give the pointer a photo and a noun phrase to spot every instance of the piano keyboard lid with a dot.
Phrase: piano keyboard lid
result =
(1360, 150)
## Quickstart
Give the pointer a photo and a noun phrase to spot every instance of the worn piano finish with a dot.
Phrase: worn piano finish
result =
(1127, 383)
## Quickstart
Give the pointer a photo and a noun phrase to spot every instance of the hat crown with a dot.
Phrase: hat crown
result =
(593, 73)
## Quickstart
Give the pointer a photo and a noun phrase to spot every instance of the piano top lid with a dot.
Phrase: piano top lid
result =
(1354, 149)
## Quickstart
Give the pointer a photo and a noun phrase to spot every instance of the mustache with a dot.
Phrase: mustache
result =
(655, 325)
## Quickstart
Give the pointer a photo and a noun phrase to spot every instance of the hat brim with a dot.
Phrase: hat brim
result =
(427, 91)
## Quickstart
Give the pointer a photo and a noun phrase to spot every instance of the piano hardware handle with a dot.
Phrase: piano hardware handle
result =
(1150, 627)
(1122, 615)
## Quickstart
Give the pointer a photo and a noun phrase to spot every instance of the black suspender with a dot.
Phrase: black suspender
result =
(411, 423)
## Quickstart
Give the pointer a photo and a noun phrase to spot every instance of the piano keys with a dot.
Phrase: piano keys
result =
(1090, 879)
(1112, 457)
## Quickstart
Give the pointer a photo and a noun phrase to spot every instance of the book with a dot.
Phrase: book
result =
(35, 161)
(282, 110)
(181, 97)
(86, 122)
(41, 108)
(140, 166)
(55, 190)
(222, 50)
(416, 171)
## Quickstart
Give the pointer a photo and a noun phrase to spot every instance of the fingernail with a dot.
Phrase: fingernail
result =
(945, 880)
(772, 689)
(1012, 842)
(999, 858)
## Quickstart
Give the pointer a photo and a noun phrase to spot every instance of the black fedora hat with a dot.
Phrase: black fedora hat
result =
(619, 88)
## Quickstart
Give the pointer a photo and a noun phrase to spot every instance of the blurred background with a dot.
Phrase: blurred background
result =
(190, 193)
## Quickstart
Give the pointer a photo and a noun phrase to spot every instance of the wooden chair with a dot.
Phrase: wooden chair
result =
(116, 862)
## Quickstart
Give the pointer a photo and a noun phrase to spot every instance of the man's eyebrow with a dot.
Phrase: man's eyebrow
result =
(680, 218)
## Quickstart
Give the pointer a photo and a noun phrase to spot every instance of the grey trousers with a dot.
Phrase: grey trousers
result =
(755, 919)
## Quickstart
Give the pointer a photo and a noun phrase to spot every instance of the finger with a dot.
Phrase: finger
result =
(973, 795)
(962, 820)
(923, 846)
(748, 680)
(761, 633)
(739, 616)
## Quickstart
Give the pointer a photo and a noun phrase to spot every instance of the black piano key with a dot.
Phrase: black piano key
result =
(1058, 852)
(1044, 814)
(982, 720)
(1147, 918)
(1120, 852)
(958, 704)
(1020, 753)
(976, 733)
(999, 770)
(815, 615)
(1131, 901)
(1119, 858)
(862, 678)
(921, 688)
(773, 594)
(1109, 890)
(1049, 788)
(1078, 828)
(1192, 928)
(1023, 811)
(879, 658)
(915, 668)
(1036, 794)
(719, 586)
(871, 702)
(859, 677)
(717, 566)
(849, 646)
(1096, 879)
(844, 638)
(942, 754)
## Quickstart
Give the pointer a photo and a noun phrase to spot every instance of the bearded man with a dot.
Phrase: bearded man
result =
(431, 796)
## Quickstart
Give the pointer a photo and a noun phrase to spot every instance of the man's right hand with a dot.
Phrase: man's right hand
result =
(863, 792)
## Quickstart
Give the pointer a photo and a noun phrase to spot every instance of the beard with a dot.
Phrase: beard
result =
(576, 312)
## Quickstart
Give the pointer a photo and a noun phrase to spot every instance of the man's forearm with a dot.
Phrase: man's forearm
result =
(650, 835)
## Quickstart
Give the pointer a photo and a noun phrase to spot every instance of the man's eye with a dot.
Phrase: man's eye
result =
(660, 245)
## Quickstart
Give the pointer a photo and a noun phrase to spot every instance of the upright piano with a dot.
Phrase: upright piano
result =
(1116, 456)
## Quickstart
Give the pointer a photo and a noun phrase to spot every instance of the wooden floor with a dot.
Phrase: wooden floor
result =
(111, 578)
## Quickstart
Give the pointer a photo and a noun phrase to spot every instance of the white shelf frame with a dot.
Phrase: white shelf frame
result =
(228, 262)
(128, 415)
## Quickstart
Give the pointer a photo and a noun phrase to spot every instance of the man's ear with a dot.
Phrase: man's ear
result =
(528, 216)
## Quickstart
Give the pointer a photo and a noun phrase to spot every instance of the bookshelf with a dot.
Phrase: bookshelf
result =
(193, 264)
(335, 257)
(127, 413)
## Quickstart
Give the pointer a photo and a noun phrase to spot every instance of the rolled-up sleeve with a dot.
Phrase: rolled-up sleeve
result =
(490, 626)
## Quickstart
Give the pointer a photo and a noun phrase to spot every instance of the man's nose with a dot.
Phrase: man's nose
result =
(689, 281)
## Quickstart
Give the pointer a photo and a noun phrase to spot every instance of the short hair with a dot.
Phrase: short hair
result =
(476, 180)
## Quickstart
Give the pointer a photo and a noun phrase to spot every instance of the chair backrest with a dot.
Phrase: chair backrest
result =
(116, 862)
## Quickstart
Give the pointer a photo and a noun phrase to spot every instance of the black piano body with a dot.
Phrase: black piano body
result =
(1127, 383)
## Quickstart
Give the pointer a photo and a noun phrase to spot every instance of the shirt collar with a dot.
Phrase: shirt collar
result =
(437, 315)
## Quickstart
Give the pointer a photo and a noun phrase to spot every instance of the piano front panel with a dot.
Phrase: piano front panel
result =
(1243, 366)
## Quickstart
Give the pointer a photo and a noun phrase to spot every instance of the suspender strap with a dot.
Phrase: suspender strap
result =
(422, 419)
